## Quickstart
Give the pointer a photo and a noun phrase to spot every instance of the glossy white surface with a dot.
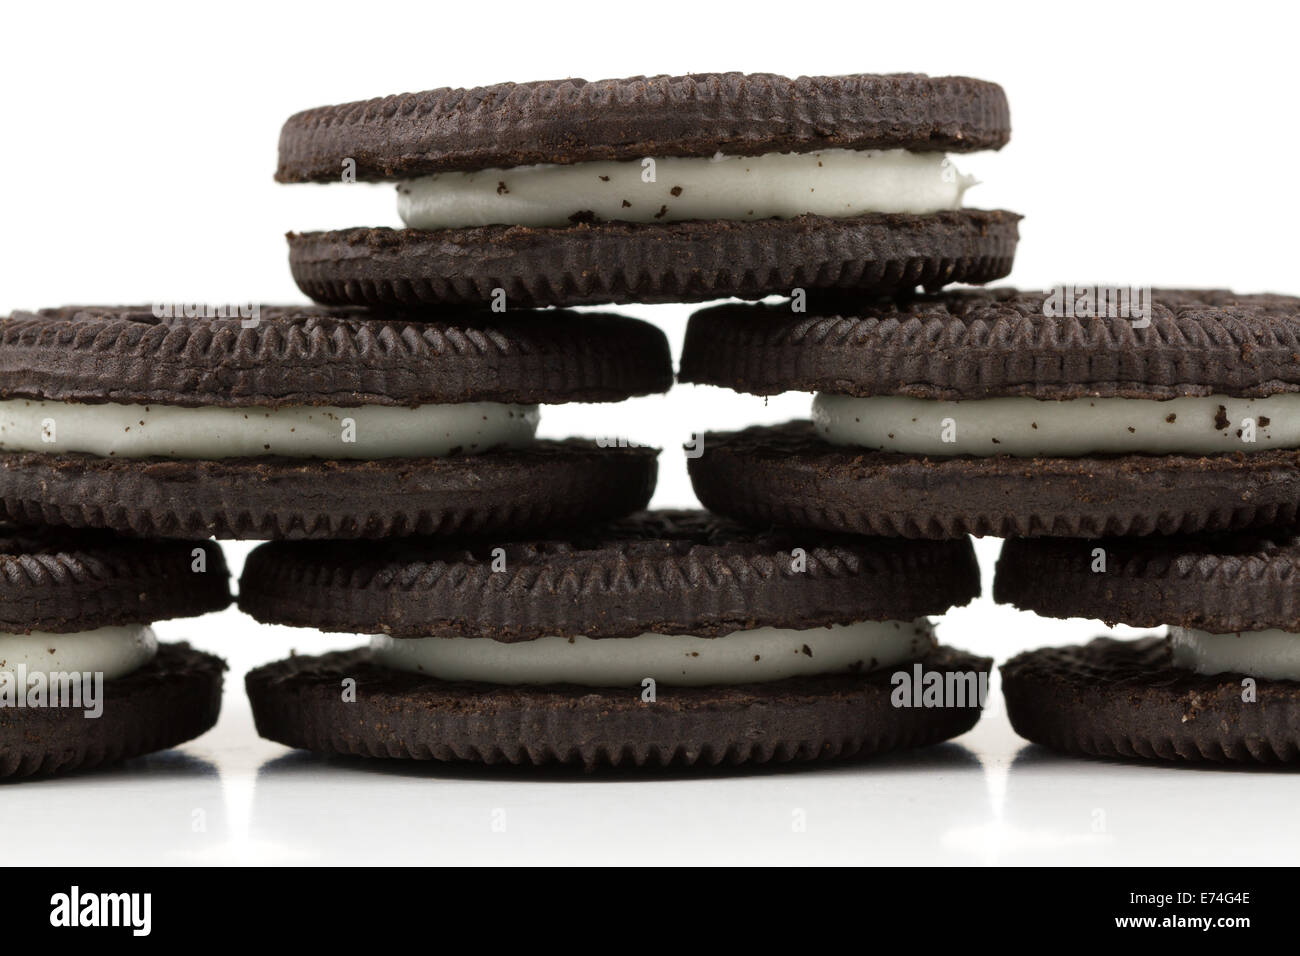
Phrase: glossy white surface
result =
(986, 798)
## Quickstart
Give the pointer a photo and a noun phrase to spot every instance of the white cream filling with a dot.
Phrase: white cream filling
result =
(1026, 427)
(1272, 653)
(168, 431)
(833, 182)
(111, 651)
(761, 654)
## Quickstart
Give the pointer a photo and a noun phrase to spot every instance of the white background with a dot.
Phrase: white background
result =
(1153, 145)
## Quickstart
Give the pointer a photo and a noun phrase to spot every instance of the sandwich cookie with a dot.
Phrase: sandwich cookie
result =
(1223, 685)
(989, 412)
(316, 423)
(670, 637)
(83, 678)
(654, 189)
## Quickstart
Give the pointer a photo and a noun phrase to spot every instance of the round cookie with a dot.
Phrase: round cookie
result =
(617, 262)
(981, 343)
(787, 475)
(65, 585)
(1142, 698)
(582, 257)
(1221, 583)
(1125, 699)
(626, 584)
(59, 580)
(904, 357)
(402, 715)
(573, 120)
(308, 362)
(735, 578)
(305, 355)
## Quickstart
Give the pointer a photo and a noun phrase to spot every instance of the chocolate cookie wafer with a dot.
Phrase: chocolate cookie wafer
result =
(308, 422)
(1224, 685)
(664, 638)
(83, 679)
(998, 412)
(654, 189)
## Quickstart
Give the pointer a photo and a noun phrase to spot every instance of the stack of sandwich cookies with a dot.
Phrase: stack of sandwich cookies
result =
(654, 189)
(990, 412)
(83, 679)
(664, 638)
(310, 422)
(1224, 685)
